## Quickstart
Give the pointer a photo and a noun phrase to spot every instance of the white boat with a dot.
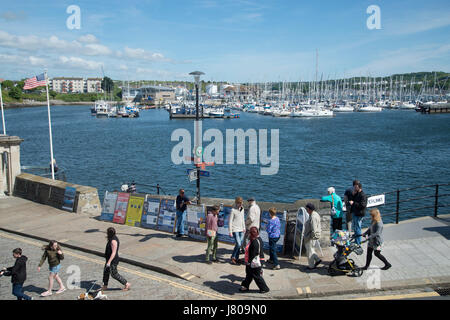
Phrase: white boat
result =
(407, 106)
(281, 113)
(346, 108)
(314, 113)
(104, 109)
(370, 108)
(217, 113)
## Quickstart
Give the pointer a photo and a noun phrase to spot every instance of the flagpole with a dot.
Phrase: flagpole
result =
(49, 128)
(3, 115)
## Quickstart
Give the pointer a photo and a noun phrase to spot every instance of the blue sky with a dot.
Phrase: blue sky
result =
(229, 40)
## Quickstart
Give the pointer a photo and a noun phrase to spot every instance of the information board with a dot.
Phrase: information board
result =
(134, 210)
(167, 215)
(69, 199)
(120, 211)
(223, 233)
(150, 213)
(196, 222)
(302, 217)
(109, 204)
(265, 217)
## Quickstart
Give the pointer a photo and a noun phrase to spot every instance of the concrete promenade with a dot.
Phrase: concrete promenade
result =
(418, 249)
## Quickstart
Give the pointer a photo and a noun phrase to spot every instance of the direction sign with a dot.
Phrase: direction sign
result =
(203, 173)
(192, 175)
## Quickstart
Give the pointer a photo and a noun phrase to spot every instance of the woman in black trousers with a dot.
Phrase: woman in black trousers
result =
(253, 250)
(112, 260)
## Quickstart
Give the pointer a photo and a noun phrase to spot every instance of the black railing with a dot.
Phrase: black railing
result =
(158, 187)
(410, 204)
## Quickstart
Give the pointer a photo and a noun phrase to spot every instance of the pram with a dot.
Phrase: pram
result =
(345, 246)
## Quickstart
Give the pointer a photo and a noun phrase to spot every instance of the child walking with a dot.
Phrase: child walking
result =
(54, 255)
(18, 274)
(211, 234)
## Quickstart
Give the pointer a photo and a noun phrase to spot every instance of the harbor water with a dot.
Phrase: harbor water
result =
(386, 151)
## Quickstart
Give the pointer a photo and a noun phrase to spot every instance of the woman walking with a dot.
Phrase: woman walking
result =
(253, 256)
(112, 260)
(374, 232)
(273, 231)
(236, 227)
(211, 234)
(54, 255)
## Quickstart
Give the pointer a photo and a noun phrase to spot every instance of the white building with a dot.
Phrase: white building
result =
(93, 85)
(68, 85)
(76, 85)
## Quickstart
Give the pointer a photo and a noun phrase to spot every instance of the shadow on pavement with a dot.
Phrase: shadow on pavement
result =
(443, 231)
(221, 253)
(34, 289)
(223, 287)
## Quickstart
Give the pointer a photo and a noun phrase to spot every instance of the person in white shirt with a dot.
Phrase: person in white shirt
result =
(236, 227)
(253, 219)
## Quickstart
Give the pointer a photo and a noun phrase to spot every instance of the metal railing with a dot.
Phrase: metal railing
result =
(437, 192)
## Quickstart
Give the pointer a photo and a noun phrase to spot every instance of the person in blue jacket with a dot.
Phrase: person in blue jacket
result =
(336, 208)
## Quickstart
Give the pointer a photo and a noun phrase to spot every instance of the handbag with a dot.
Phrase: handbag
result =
(211, 233)
(256, 262)
(333, 209)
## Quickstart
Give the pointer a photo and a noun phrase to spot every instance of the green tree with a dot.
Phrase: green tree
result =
(15, 93)
(107, 84)
(7, 84)
(20, 84)
(52, 94)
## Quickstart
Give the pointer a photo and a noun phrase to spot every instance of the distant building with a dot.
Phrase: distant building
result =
(93, 85)
(68, 85)
(157, 94)
(76, 85)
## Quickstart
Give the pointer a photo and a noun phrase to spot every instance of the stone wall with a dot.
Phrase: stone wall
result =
(9, 162)
(51, 192)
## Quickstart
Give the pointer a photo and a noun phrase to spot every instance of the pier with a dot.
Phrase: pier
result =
(435, 108)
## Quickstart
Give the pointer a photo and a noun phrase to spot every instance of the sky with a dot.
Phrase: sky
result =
(229, 40)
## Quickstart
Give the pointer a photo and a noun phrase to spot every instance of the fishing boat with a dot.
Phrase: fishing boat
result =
(217, 113)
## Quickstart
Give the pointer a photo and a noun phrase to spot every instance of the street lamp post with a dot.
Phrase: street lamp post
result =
(198, 148)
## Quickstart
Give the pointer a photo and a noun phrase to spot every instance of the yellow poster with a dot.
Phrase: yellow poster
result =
(134, 211)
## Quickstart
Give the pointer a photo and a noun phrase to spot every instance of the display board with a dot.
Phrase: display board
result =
(150, 213)
(265, 217)
(69, 199)
(167, 215)
(196, 222)
(120, 211)
(223, 232)
(302, 217)
(109, 204)
(134, 210)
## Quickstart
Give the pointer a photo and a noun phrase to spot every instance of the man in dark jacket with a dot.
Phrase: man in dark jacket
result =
(18, 274)
(359, 205)
(348, 195)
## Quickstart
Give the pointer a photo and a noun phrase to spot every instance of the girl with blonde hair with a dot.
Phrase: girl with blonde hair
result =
(374, 234)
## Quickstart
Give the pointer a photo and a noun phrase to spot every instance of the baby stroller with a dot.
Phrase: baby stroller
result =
(345, 246)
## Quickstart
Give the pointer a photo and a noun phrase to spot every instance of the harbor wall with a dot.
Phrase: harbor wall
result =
(51, 192)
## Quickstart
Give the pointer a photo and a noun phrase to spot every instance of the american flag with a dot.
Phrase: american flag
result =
(35, 82)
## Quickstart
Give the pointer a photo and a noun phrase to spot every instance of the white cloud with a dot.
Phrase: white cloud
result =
(79, 63)
(88, 38)
(36, 61)
(143, 54)
(95, 49)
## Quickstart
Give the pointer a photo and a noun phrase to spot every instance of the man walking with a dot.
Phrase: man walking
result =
(181, 205)
(348, 195)
(253, 220)
(312, 234)
(359, 205)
